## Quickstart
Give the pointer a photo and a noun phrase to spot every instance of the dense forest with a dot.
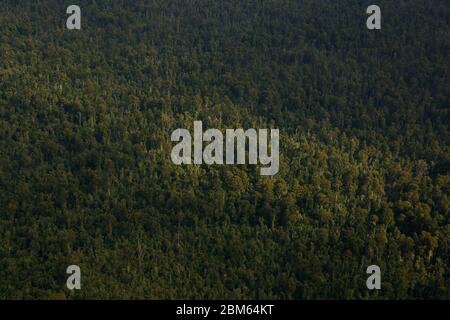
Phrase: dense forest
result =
(86, 176)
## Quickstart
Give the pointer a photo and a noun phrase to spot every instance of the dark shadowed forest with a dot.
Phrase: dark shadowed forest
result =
(86, 176)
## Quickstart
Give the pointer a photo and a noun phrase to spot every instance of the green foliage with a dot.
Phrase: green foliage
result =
(85, 170)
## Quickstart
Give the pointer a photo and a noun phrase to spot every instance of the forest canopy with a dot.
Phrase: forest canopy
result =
(86, 176)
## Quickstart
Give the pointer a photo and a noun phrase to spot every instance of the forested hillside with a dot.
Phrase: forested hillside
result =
(86, 176)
